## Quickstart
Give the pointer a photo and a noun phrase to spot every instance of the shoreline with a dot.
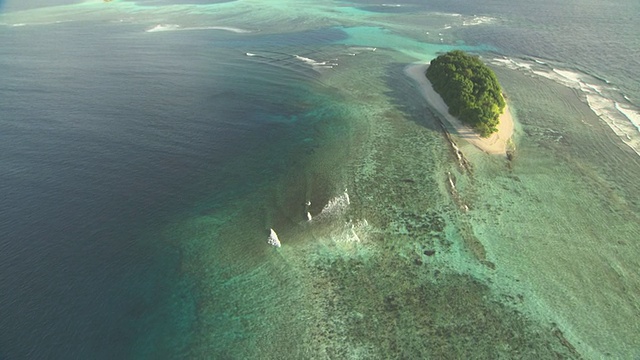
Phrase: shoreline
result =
(494, 144)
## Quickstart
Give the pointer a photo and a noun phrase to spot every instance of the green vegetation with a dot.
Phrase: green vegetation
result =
(469, 88)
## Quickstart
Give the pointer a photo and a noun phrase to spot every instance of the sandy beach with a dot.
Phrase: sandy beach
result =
(495, 144)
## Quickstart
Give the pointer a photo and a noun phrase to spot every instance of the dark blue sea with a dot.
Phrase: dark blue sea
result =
(148, 147)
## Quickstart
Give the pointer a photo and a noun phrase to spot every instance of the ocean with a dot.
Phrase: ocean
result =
(148, 147)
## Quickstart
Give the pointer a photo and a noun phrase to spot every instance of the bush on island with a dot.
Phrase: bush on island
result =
(469, 88)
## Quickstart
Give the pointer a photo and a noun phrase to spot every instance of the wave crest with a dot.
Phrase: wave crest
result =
(605, 100)
(176, 27)
(316, 65)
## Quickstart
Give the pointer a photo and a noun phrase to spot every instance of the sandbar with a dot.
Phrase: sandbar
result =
(494, 144)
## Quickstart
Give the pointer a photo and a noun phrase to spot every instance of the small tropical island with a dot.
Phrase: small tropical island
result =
(469, 88)
(467, 93)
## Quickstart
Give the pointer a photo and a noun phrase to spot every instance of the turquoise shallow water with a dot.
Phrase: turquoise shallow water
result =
(150, 147)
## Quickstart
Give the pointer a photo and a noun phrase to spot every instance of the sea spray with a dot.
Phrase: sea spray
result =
(176, 27)
(307, 204)
(333, 224)
(316, 65)
(273, 239)
(336, 206)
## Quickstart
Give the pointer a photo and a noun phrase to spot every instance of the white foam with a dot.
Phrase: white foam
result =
(225, 28)
(335, 206)
(502, 61)
(595, 88)
(608, 110)
(362, 48)
(511, 63)
(478, 20)
(446, 14)
(250, 54)
(631, 114)
(273, 238)
(451, 183)
(176, 27)
(332, 223)
(316, 65)
(354, 237)
(569, 75)
(308, 60)
(623, 119)
(164, 27)
(350, 231)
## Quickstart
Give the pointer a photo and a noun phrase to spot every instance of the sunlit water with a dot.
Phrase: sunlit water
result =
(148, 148)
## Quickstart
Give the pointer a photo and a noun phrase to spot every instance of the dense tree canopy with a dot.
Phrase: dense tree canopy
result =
(469, 88)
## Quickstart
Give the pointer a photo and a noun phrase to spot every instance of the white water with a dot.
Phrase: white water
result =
(273, 238)
(336, 206)
(316, 65)
(176, 27)
(621, 115)
(478, 20)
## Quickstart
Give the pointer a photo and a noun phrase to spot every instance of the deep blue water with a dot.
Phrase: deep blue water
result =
(87, 174)
(107, 134)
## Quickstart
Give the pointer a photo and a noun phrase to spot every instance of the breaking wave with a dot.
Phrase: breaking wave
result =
(340, 229)
(604, 99)
(336, 206)
(176, 27)
(316, 65)
(478, 20)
